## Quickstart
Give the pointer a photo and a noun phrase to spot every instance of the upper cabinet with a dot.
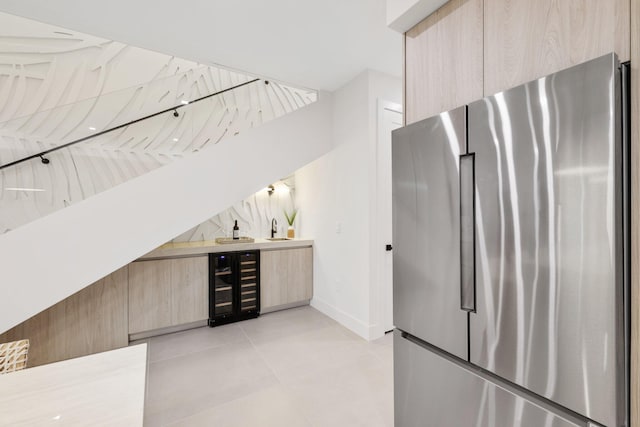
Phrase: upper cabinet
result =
(525, 40)
(469, 49)
(443, 60)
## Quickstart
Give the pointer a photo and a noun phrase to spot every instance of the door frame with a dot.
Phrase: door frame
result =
(381, 307)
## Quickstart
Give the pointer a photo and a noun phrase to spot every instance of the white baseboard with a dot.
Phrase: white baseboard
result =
(376, 331)
(345, 319)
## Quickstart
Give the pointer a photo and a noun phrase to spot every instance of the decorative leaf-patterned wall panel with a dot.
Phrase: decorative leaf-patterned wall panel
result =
(254, 215)
(58, 86)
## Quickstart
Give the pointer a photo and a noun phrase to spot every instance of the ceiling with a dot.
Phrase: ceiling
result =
(320, 44)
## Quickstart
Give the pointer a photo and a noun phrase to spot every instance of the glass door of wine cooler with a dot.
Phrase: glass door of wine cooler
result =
(234, 286)
(249, 298)
(222, 285)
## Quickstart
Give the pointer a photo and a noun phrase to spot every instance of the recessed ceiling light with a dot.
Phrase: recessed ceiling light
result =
(92, 128)
(57, 417)
(175, 139)
(23, 189)
(184, 102)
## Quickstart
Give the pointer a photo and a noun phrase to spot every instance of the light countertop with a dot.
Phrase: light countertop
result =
(179, 249)
(100, 389)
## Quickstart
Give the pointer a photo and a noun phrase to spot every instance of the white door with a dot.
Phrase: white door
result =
(389, 118)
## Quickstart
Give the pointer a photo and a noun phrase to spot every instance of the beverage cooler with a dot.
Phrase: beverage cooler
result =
(234, 286)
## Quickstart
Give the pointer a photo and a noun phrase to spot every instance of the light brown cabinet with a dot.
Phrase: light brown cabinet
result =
(90, 321)
(443, 60)
(167, 293)
(146, 296)
(525, 40)
(473, 48)
(286, 278)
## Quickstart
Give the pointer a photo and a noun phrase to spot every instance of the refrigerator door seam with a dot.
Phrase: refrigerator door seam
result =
(504, 384)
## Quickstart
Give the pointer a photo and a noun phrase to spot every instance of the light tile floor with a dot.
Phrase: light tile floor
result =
(290, 368)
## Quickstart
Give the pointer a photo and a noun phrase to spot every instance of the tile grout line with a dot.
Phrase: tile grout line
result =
(325, 324)
(261, 356)
(179, 420)
(186, 417)
(191, 352)
(286, 387)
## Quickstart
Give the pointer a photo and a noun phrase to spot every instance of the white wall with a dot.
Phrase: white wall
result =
(336, 197)
(48, 260)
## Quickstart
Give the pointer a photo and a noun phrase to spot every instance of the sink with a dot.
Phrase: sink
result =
(228, 240)
(278, 239)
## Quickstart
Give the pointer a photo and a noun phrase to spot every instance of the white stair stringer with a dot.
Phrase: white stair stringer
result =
(53, 257)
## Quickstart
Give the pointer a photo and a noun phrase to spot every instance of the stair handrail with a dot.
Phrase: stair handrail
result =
(174, 108)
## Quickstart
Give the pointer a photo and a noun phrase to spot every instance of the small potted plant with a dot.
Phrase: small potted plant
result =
(291, 233)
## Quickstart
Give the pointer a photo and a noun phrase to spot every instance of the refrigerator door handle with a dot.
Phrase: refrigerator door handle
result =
(467, 233)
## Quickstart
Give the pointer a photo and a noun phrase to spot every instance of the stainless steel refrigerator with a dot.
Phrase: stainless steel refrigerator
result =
(510, 245)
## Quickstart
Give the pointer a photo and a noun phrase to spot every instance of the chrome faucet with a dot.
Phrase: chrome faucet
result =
(274, 227)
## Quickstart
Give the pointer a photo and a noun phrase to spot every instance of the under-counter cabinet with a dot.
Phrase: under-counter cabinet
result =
(90, 321)
(160, 293)
(166, 294)
(286, 278)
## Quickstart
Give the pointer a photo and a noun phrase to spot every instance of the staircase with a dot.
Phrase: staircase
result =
(101, 142)
(89, 186)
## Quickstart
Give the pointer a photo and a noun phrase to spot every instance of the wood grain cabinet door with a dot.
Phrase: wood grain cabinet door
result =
(149, 295)
(190, 290)
(443, 60)
(90, 321)
(525, 40)
(167, 292)
(300, 275)
(273, 279)
(286, 277)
